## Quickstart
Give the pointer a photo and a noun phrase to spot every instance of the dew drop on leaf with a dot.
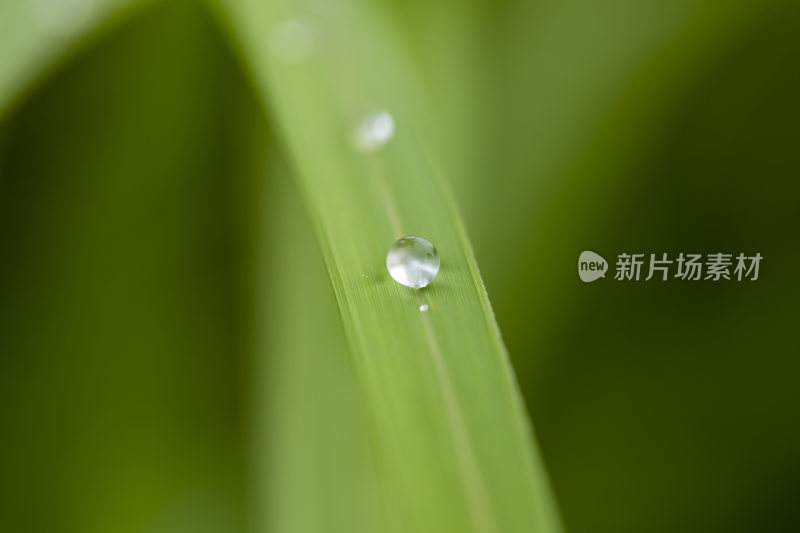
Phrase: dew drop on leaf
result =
(374, 131)
(61, 18)
(413, 262)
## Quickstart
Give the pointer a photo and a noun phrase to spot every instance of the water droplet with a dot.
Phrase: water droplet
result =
(424, 308)
(374, 131)
(62, 18)
(413, 262)
(292, 41)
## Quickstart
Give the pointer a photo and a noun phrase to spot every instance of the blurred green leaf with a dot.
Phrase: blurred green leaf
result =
(124, 285)
(36, 34)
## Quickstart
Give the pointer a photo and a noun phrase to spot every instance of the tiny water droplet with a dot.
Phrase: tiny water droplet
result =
(62, 18)
(374, 131)
(423, 307)
(413, 262)
(292, 41)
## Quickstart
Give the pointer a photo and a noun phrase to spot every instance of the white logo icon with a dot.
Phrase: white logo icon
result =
(591, 266)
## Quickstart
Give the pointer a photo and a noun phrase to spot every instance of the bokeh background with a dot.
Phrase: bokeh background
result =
(170, 354)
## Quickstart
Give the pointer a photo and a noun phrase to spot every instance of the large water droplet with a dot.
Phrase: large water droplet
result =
(292, 41)
(374, 131)
(413, 262)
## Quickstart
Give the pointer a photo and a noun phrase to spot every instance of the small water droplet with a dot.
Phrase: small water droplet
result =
(292, 41)
(374, 131)
(424, 308)
(62, 18)
(413, 262)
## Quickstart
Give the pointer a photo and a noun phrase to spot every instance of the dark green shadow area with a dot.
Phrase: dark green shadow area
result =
(672, 406)
(127, 194)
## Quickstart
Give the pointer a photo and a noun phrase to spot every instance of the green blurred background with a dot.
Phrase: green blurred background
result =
(170, 356)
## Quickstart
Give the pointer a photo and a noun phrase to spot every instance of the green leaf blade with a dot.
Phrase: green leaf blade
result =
(452, 443)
